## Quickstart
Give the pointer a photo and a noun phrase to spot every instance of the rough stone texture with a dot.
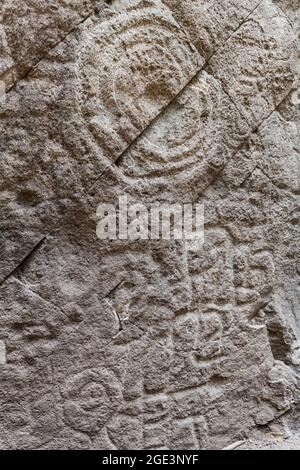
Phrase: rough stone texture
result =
(211, 23)
(253, 66)
(124, 345)
(29, 28)
(273, 441)
(68, 119)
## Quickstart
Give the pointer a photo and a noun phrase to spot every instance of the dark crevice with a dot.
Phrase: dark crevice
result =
(62, 39)
(113, 289)
(18, 269)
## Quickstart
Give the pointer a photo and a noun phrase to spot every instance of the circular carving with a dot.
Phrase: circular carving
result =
(176, 144)
(91, 397)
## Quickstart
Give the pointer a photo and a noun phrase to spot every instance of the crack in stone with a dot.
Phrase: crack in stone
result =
(254, 131)
(113, 289)
(122, 329)
(41, 59)
(118, 161)
(147, 331)
(52, 305)
(24, 260)
(242, 115)
(234, 31)
(247, 177)
(117, 316)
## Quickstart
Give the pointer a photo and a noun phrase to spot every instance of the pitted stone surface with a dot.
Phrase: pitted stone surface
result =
(30, 28)
(71, 117)
(254, 66)
(212, 22)
(115, 344)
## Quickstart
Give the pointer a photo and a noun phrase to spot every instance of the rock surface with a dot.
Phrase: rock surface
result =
(115, 344)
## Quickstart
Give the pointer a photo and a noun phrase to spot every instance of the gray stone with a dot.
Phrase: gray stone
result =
(121, 344)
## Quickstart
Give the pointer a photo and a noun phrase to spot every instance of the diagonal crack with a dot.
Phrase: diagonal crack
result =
(113, 289)
(234, 31)
(118, 161)
(248, 176)
(275, 109)
(254, 131)
(62, 39)
(52, 305)
(24, 260)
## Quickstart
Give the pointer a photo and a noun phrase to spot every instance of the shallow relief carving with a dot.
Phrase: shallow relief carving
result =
(148, 345)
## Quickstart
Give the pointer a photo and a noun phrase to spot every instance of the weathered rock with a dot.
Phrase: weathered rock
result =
(211, 23)
(30, 29)
(255, 65)
(148, 344)
(70, 117)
